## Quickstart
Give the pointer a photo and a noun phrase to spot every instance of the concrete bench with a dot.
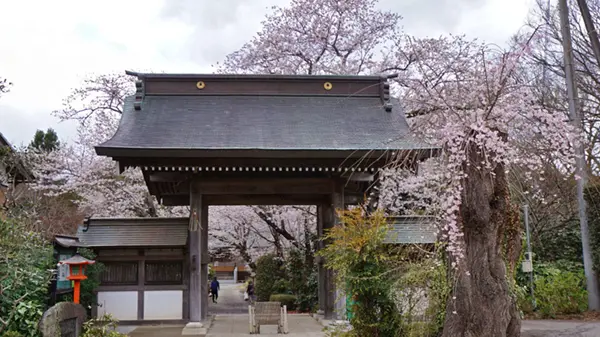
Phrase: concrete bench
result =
(267, 313)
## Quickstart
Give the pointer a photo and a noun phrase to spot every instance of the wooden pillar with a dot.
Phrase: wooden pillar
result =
(198, 257)
(141, 283)
(324, 307)
(327, 218)
(204, 261)
(338, 296)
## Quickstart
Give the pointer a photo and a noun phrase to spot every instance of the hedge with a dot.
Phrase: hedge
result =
(286, 299)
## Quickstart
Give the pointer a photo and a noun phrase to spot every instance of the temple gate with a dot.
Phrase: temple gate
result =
(217, 139)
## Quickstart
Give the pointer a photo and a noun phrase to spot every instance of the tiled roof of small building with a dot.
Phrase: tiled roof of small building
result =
(134, 232)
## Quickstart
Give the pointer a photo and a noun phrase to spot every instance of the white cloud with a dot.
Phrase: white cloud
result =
(46, 47)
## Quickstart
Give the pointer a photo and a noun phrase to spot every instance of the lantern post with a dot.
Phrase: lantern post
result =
(77, 265)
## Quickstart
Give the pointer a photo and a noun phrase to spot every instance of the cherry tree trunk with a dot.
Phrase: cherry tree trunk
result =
(481, 304)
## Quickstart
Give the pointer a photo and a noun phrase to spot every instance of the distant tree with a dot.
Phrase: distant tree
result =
(45, 141)
(545, 67)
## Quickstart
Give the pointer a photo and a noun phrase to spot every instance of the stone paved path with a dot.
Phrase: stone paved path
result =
(232, 321)
(304, 325)
(230, 301)
(157, 331)
(237, 326)
(543, 328)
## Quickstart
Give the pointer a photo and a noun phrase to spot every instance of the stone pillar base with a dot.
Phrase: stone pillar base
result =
(194, 329)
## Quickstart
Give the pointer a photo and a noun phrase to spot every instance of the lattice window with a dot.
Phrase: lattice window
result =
(164, 272)
(120, 273)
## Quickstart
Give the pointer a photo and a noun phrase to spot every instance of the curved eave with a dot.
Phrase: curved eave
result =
(251, 153)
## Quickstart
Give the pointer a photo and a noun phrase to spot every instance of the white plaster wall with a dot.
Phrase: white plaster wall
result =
(165, 304)
(122, 305)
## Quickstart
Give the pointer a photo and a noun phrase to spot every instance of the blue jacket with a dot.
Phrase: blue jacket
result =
(214, 286)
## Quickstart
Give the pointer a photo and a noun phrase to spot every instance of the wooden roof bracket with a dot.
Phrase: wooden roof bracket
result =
(139, 89)
(384, 91)
(139, 94)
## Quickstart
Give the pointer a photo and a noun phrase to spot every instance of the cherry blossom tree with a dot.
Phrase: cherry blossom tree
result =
(322, 37)
(554, 219)
(248, 232)
(97, 105)
(43, 214)
(289, 226)
(233, 233)
(468, 100)
(75, 167)
(472, 101)
(546, 67)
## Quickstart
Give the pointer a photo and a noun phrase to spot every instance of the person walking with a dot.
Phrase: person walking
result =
(250, 292)
(214, 289)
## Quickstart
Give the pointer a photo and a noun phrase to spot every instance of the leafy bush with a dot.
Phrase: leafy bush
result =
(559, 290)
(27, 317)
(13, 333)
(562, 292)
(286, 299)
(104, 326)
(269, 277)
(302, 279)
(362, 268)
(421, 296)
(211, 272)
(25, 261)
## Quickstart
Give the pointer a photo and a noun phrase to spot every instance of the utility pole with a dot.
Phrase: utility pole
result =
(591, 29)
(529, 256)
(575, 116)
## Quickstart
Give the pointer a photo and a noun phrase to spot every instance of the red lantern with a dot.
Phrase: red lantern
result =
(77, 265)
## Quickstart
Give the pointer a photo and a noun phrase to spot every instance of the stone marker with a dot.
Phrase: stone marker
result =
(65, 319)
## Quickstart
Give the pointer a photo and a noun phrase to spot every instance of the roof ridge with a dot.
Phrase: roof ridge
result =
(380, 77)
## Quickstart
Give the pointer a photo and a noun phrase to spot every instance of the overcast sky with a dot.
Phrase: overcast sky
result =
(46, 47)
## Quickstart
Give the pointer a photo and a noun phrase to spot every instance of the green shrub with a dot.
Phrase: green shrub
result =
(559, 289)
(561, 292)
(27, 317)
(101, 327)
(302, 279)
(13, 333)
(211, 272)
(24, 266)
(280, 286)
(362, 265)
(286, 299)
(269, 277)
(423, 316)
